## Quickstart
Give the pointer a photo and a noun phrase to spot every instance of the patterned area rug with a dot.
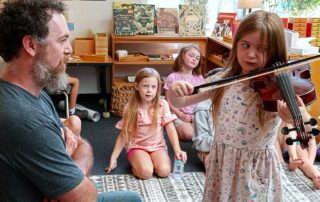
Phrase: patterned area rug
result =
(155, 189)
(297, 187)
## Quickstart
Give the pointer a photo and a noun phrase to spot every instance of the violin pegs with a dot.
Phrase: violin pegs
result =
(285, 130)
(314, 131)
(290, 141)
(312, 122)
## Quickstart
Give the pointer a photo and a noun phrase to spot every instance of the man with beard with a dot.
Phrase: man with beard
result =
(40, 158)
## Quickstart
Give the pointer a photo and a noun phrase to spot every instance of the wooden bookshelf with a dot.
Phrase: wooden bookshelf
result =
(156, 45)
(217, 48)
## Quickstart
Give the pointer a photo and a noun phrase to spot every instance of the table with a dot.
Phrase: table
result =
(101, 68)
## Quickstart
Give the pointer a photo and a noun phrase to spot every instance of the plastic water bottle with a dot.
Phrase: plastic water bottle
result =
(178, 167)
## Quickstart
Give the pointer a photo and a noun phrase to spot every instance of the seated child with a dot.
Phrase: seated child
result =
(203, 130)
(298, 157)
(75, 84)
(186, 67)
(143, 120)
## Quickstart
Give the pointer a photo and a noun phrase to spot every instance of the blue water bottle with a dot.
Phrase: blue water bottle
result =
(178, 167)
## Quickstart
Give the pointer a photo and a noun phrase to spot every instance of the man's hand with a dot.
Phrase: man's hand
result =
(71, 140)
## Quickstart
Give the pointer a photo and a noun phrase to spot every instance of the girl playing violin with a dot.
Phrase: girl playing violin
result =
(243, 164)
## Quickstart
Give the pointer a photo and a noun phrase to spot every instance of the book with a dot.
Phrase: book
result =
(123, 18)
(154, 57)
(167, 21)
(224, 24)
(144, 18)
(192, 20)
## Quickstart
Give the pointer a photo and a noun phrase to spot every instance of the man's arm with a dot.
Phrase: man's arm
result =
(85, 191)
(79, 149)
(83, 156)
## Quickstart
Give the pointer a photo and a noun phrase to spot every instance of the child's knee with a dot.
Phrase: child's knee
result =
(74, 123)
(163, 171)
(185, 135)
(144, 172)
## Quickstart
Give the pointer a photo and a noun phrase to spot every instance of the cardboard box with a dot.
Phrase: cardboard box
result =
(101, 43)
(84, 46)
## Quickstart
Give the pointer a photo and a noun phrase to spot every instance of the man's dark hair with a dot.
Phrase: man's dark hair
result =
(19, 18)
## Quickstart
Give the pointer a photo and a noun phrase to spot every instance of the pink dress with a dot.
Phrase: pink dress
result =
(243, 164)
(149, 139)
(195, 80)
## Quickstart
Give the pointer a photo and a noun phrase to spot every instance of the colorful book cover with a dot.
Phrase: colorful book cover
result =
(123, 17)
(167, 21)
(223, 26)
(192, 20)
(144, 15)
(285, 22)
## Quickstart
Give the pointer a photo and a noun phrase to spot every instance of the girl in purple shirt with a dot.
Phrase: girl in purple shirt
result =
(186, 67)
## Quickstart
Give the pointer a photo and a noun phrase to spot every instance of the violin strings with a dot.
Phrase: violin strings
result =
(287, 92)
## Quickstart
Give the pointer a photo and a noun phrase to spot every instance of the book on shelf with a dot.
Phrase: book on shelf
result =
(123, 18)
(159, 57)
(154, 57)
(192, 20)
(144, 18)
(167, 21)
(224, 24)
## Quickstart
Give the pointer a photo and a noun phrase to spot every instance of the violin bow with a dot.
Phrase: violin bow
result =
(243, 77)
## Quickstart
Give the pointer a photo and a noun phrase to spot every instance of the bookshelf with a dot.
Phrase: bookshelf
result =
(217, 49)
(151, 45)
(146, 45)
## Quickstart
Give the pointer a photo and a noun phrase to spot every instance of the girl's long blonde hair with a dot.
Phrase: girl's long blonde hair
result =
(130, 114)
(177, 65)
(270, 27)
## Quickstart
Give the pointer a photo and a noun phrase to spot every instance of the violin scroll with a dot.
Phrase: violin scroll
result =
(314, 132)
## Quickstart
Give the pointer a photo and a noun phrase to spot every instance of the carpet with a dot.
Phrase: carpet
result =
(297, 187)
(155, 189)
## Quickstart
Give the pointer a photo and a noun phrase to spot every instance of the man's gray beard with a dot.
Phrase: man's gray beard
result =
(49, 78)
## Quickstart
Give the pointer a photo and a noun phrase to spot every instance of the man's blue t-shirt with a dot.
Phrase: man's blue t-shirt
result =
(33, 159)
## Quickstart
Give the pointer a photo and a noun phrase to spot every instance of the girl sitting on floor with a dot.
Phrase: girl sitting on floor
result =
(142, 129)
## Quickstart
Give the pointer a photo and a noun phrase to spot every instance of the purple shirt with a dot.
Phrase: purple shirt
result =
(195, 80)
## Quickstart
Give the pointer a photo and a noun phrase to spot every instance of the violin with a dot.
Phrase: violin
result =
(269, 87)
(285, 86)
(274, 83)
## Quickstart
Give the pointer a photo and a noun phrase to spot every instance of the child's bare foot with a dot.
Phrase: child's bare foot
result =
(316, 181)
(295, 163)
